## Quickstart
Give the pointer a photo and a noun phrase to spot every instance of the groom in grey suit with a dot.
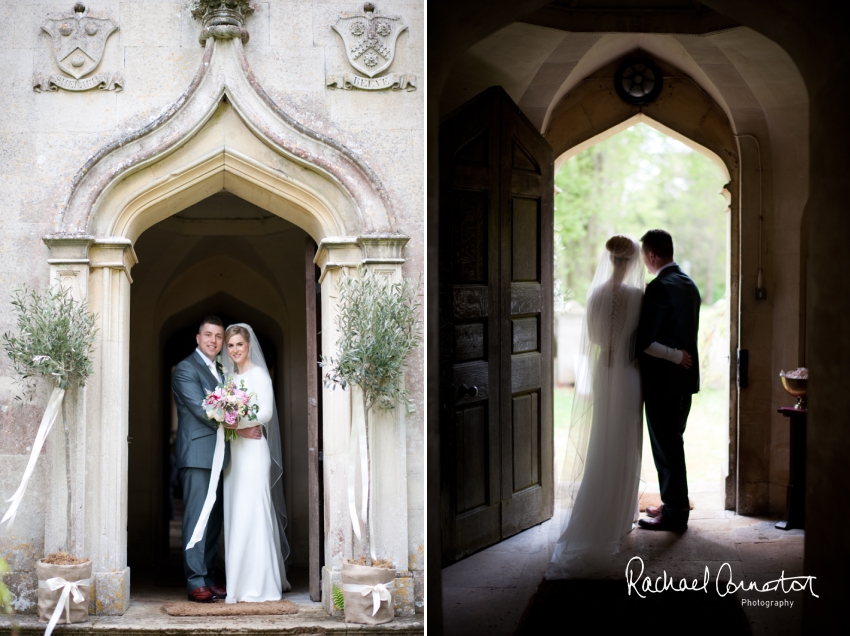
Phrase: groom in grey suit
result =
(195, 446)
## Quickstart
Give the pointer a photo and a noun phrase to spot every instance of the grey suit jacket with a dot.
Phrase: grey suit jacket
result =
(195, 432)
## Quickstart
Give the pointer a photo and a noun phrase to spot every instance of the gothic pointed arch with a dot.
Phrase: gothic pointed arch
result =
(225, 132)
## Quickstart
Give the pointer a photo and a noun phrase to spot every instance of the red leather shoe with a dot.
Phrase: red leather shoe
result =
(662, 522)
(218, 592)
(201, 595)
(653, 511)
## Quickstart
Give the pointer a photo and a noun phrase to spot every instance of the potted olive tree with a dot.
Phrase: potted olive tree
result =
(378, 325)
(53, 342)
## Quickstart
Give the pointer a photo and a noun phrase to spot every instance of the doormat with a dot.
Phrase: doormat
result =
(654, 499)
(188, 608)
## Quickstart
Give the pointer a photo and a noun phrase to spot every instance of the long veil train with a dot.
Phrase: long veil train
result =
(597, 492)
(273, 429)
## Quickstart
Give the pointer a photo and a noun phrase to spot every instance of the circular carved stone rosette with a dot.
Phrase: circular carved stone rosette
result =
(638, 81)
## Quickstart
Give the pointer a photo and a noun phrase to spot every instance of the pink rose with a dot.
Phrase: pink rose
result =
(230, 417)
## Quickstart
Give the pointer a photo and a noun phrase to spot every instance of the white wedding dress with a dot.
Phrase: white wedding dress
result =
(598, 491)
(253, 555)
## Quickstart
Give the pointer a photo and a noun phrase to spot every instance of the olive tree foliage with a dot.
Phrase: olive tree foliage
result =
(378, 324)
(54, 341)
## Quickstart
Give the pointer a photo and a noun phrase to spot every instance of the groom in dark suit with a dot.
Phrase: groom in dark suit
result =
(669, 316)
(195, 446)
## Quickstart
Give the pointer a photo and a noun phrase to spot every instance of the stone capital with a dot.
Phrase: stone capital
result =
(68, 248)
(113, 252)
(223, 19)
(383, 247)
(338, 251)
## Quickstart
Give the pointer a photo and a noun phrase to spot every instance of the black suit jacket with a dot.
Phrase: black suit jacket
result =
(669, 315)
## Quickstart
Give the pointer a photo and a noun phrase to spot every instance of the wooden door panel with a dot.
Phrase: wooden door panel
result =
(525, 298)
(526, 429)
(522, 507)
(525, 334)
(526, 372)
(314, 422)
(527, 199)
(469, 418)
(473, 463)
(525, 240)
(470, 341)
(470, 302)
(495, 346)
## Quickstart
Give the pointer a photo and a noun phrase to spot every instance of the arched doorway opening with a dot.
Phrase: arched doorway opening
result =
(628, 182)
(227, 257)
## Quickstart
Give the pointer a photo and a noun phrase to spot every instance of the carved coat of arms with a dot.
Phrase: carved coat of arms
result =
(370, 41)
(78, 44)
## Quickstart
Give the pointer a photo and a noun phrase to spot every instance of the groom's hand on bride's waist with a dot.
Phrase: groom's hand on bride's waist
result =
(686, 359)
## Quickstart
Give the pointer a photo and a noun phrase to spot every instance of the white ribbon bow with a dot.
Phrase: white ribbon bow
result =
(70, 589)
(50, 414)
(379, 592)
(218, 461)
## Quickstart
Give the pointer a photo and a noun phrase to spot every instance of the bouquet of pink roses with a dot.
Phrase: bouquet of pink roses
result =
(229, 403)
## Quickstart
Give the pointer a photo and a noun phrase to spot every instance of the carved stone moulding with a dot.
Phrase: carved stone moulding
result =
(223, 19)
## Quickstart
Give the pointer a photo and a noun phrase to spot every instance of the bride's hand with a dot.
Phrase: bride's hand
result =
(250, 433)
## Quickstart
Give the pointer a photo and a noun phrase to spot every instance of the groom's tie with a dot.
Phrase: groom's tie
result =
(211, 367)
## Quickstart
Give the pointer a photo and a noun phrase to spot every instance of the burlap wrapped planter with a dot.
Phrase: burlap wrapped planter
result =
(48, 599)
(377, 583)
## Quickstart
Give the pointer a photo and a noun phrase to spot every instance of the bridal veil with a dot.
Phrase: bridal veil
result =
(273, 430)
(596, 494)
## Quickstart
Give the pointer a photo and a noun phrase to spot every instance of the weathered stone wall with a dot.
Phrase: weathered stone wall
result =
(46, 137)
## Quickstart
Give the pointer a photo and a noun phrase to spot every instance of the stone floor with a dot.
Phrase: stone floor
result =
(146, 616)
(488, 592)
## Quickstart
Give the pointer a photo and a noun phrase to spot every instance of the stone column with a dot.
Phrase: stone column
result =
(107, 420)
(332, 255)
(381, 253)
(69, 267)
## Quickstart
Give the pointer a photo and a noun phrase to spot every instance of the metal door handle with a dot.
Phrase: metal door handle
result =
(471, 391)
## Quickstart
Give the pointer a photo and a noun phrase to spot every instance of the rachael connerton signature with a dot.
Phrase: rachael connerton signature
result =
(640, 583)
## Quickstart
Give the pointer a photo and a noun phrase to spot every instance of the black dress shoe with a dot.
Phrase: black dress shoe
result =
(662, 522)
(201, 595)
(217, 592)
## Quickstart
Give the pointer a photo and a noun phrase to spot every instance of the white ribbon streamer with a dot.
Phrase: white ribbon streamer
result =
(352, 467)
(54, 405)
(70, 589)
(379, 592)
(218, 461)
(357, 447)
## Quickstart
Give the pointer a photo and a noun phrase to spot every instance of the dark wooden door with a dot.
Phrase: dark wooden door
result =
(314, 421)
(496, 196)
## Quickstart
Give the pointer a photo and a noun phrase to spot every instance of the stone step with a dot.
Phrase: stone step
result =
(149, 618)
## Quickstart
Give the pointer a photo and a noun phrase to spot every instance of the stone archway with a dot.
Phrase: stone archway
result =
(588, 114)
(222, 133)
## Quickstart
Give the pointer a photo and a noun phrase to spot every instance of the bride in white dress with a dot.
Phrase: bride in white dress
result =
(598, 491)
(254, 511)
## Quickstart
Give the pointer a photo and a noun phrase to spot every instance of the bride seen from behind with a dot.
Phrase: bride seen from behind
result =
(254, 509)
(599, 484)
